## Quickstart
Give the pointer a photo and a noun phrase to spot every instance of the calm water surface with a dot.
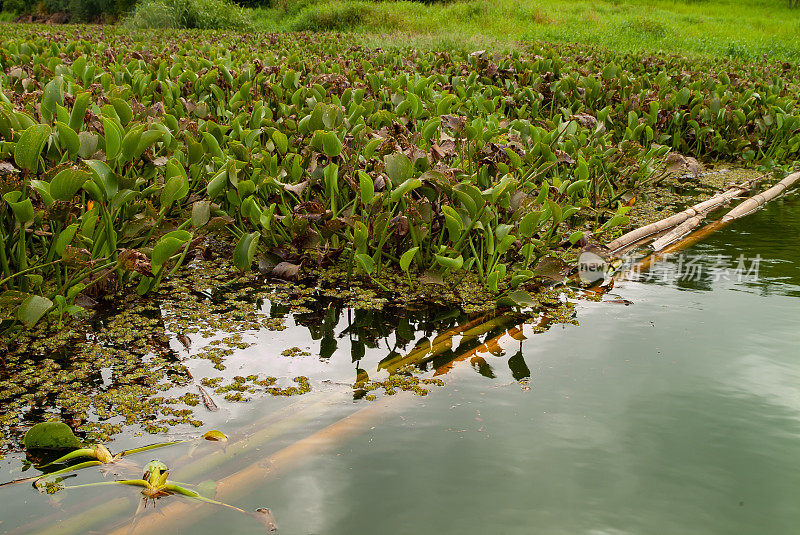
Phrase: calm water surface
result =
(676, 414)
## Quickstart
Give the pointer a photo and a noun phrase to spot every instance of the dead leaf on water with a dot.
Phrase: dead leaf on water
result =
(287, 271)
(430, 277)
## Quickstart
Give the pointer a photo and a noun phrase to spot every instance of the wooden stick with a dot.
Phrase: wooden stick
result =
(745, 208)
(754, 203)
(678, 232)
(646, 231)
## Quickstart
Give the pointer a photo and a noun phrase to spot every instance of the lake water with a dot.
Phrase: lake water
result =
(678, 413)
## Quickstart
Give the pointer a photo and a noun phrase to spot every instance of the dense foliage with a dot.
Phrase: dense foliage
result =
(192, 14)
(121, 152)
(81, 10)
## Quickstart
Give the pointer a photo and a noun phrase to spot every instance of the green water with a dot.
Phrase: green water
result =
(676, 414)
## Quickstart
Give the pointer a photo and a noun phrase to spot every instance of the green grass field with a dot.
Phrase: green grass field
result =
(710, 28)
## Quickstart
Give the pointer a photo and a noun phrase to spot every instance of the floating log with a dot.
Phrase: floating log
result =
(745, 208)
(646, 231)
(754, 203)
(678, 232)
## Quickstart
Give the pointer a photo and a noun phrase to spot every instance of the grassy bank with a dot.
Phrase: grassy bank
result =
(724, 28)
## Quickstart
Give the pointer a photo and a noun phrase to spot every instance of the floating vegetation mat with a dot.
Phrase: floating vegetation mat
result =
(212, 337)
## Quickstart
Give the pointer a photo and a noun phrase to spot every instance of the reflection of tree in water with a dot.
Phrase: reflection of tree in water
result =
(423, 339)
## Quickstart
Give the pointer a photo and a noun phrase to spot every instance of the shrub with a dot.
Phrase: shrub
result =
(342, 16)
(15, 6)
(200, 14)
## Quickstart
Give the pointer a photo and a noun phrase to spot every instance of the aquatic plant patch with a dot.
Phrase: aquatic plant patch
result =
(123, 153)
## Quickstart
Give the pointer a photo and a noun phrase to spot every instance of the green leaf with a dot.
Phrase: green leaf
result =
(405, 187)
(88, 144)
(78, 114)
(517, 298)
(129, 144)
(23, 210)
(366, 263)
(529, 223)
(217, 183)
(145, 140)
(64, 238)
(615, 221)
(449, 263)
(43, 189)
(429, 130)
(33, 308)
(113, 136)
(281, 141)
(369, 149)
(69, 138)
(167, 246)
(245, 250)
(367, 187)
(51, 436)
(123, 110)
(398, 167)
(331, 144)
(66, 184)
(52, 96)
(175, 189)
(407, 258)
(30, 146)
(201, 213)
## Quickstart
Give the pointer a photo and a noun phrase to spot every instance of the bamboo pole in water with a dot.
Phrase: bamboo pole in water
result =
(177, 513)
(754, 203)
(646, 231)
(746, 207)
(270, 427)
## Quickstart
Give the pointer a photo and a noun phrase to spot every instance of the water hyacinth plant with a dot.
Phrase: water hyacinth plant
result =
(121, 154)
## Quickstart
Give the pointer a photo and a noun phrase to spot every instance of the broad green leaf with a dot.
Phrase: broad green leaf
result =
(51, 436)
(218, 183)
(405, 187)
(33, 308)
(281, 141)
(166, 246)
(66, 184)
(64, 238)
(23, 210)
(245, 250)
(430, 128)
(123, 110)
(43, 189)
(129, 144)
(175, 189)
(30, 146)
(69, 138)
(331, 144)
(529, 223)
(449, 263)
(366, 263)
(145, 141)
(113, 137)
(52, 96)
(201, 213)
(517, 298)
(367, 187)
(88, 144)
(369, 149)
(78, 114)
(398, 167)
(407, 258)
